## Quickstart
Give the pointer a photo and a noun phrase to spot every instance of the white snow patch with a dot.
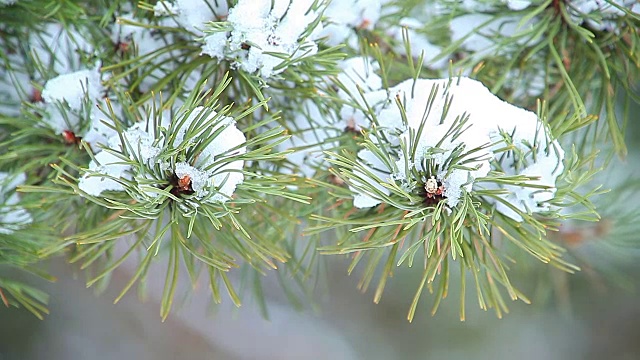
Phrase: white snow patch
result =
(215, 163)
(70, 104)
(345, 16)
(487, 117)
(13, 217)
(263, 26)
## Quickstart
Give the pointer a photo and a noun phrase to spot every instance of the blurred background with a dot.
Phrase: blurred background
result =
(597, 321)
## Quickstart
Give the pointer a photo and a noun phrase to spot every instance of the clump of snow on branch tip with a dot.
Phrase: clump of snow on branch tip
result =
(71, 88)
(214, 173)
(111, 167)
(217, 164)
(70, 103)
(453, 104)
(536, 156)
(199, 180)
(455, 125)
(260, 27)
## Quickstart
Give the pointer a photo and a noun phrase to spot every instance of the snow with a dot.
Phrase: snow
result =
(58, 49)
(73, 87)
(435, 144)
(372, 164)
(98, 131)
(215, 45)
(259, 28)
(192, 15)
(216, 163)
(358, 72)
(476, 5)
(165, 8)
(102, 170)
(215, 166)
(345, 16)
(517, 5)
(487, 118)
(481, 32)
(71, 97)
(14, 84)
(106, 166)
(54, 48)
(256, 28)
(601, 14)
(547, 167)
(352, 115)
(314, 130)
(12, 216)
(140, 143)
(70, 104)
(200, 180)
(356, 13)
(608, 7)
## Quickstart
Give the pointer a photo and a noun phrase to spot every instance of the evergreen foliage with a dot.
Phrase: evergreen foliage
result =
(456, 137)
